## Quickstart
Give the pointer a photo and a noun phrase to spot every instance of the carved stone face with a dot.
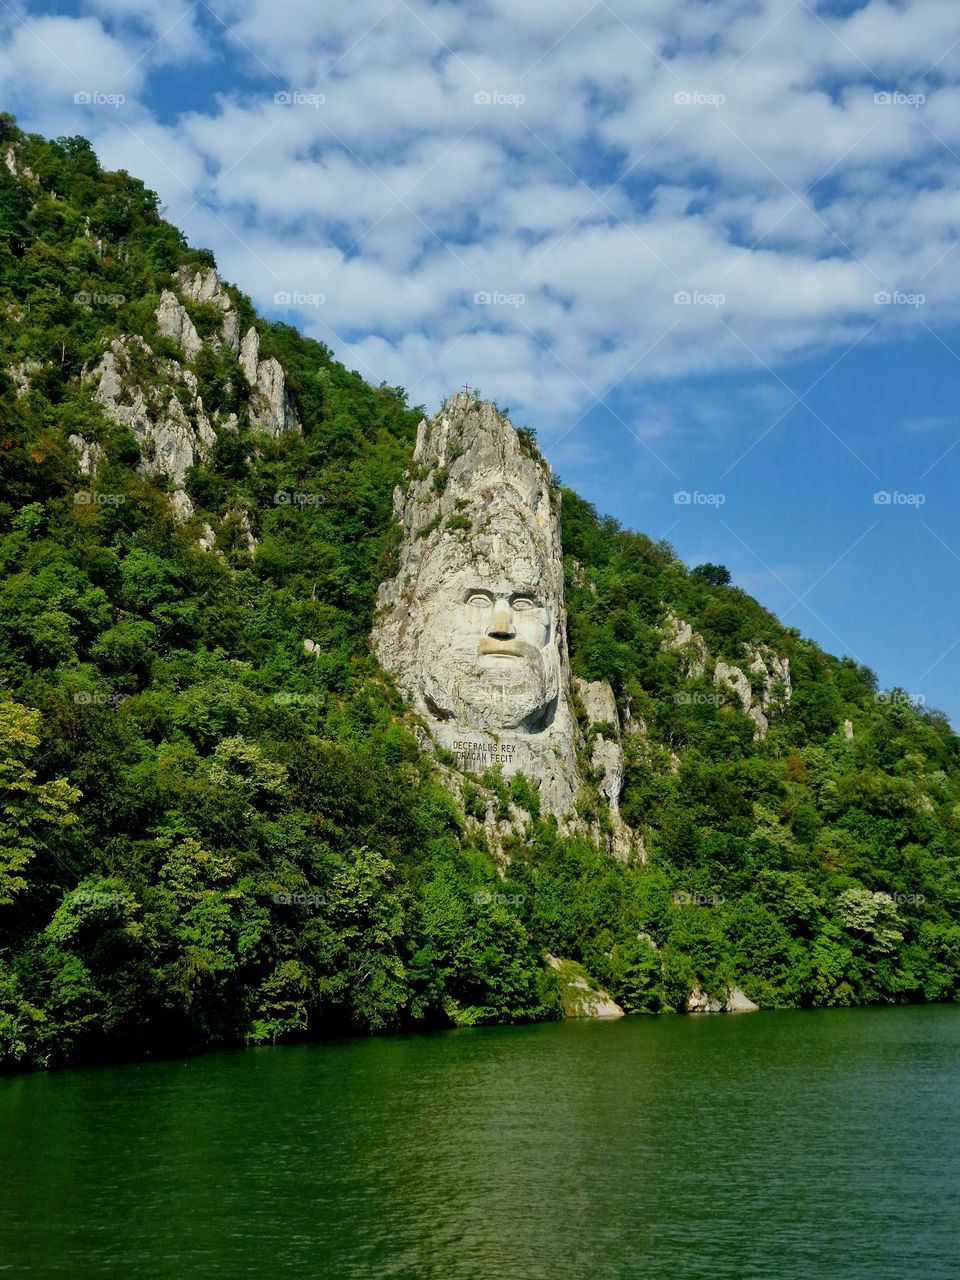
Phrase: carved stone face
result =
(472, 623)
(488, 652)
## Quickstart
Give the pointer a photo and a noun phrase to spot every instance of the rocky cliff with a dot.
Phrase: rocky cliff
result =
(473, 624)
(159, 399)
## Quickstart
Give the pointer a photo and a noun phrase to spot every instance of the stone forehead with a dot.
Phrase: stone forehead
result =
(513, 559)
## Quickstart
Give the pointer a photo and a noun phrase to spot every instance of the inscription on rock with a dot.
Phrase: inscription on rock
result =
(476, 756)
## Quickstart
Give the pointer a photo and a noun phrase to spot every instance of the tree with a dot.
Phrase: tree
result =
(28, 806)
(717, 575)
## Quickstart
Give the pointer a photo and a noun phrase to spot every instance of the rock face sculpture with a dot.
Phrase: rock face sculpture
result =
(473, 624)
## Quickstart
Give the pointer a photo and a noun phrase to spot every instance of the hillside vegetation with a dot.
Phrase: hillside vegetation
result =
(212, 834)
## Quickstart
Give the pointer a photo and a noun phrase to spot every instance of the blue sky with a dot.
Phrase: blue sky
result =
(704, 249)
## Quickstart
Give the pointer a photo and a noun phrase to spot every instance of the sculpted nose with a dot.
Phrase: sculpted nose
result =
(501, 628)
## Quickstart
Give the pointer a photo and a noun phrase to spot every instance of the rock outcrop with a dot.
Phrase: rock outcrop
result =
(207, 287)
(90, 454)
(14, 168)
(734, 1001)
(774, 679)
(22, 374)
(603, 721)
(682, 638)
(159, 399)
(581, 997)
(170, 440)
(271, 409)
(173, 322)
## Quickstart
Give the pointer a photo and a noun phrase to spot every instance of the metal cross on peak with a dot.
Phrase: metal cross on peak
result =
(467, 388)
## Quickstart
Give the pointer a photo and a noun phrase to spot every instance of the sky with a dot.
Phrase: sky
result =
(707, 249)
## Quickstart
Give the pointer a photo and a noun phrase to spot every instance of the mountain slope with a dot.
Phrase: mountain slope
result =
(219, 826)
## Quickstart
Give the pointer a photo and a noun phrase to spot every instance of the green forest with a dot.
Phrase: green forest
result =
(210, 836)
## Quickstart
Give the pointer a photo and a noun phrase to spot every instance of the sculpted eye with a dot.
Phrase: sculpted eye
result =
(523, 602)
(479, 601)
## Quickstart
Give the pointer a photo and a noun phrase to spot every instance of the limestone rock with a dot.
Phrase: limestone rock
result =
(594, 1002)
(581, 997)
(699, 1002)
(252, 542)
(848, 730)
(169, 441)
(600, 705)
(737, 1002)
(270, 408)
(473, 625)
(182, 506)
(183, 511)
(734, 1001)
(776, 690)
(22, 374)
(598, 701)
(240, 520)
(173, 322)
(122, 398)
(206, 286)
(13, 166)
(739, 683)
(682, 637)
(173, 443)
(91, 455)
(250, 355)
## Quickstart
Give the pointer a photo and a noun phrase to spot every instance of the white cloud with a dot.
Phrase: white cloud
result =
(576, 189)
(46, 60)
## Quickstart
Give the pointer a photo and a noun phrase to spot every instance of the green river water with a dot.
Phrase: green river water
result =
(793, 1144)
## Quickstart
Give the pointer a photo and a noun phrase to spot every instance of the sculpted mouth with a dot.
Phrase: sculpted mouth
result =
(502, 648)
